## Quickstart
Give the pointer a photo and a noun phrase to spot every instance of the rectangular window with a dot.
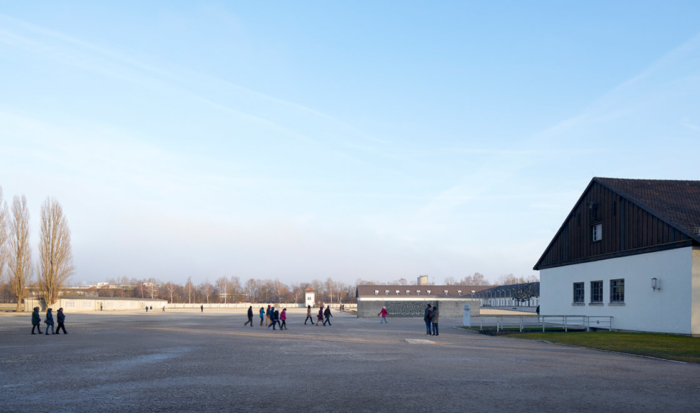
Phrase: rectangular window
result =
(418, 292)
(617, 291)
(596, 291)
(579, 295)
(597, 232)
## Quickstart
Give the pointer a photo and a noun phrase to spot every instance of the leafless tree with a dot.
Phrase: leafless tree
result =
(222, 283)
(55, 252)
(170, 287)
(206, 289)
(152, 286)
(4, 217)
(189, 287)
(20, 253)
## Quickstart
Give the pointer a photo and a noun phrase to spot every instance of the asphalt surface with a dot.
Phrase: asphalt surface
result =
(185, 360)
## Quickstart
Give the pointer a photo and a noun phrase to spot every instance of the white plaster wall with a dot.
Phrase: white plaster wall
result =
(668, 310)
(695, 318)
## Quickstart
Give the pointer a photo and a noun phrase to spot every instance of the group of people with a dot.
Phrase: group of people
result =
(431, 318)
(60, 318)
(272, 317)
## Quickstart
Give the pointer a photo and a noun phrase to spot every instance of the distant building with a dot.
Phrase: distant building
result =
(630, 249)
(422, 280)
(411, 300)
(310, 297)
(520, 295)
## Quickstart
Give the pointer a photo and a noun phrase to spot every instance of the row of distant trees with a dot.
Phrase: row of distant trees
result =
(55, 262)
(225, 290)
(233, 290)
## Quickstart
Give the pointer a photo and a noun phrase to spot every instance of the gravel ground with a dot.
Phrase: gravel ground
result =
(184, 360)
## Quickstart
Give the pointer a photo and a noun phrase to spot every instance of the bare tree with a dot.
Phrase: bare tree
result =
(170, 287)
(55, 252)
(20, 253)
(189, 287)
(152, 285)
(4, 217)
(206, 289)
(222, 283)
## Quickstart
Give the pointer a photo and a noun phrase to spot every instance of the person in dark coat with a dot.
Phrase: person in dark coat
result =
(250, 317)
(202, 307)
(36, 321)
(146, 308)
(426, 318)
(268, 314)
(61, 318)
(435, 319)
(319, 317)
(273, 321)
(49, 321)
(328, 316)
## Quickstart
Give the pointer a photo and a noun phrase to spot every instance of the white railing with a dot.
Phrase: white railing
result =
(565, 322)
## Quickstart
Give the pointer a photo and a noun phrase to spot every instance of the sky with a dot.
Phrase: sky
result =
(304, 140)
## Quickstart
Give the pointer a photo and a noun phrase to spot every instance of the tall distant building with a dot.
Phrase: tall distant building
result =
(422, 280)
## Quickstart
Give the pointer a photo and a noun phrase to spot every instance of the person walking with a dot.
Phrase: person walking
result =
(434, 318)
(538, 313)
(426, 318)
(202, 307)
(308, 315)
(272, 318)
(283, 317)
(269, 314)
(328, 316)
(383, 314)
(146, 308)
(262, 316)
(36, 321)
(61, 318)
(49, 322)
(250, 317)
(319, 317)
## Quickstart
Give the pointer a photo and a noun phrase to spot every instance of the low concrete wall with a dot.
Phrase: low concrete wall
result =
(255, 305)
(415, 308)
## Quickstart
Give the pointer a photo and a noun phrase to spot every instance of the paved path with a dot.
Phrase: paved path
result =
(185, 360)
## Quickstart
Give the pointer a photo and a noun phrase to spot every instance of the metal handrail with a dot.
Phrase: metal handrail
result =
(566, 321)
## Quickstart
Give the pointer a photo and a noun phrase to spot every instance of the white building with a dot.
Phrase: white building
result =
(629, 249)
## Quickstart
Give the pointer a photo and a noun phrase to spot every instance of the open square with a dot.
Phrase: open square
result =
(188, 360)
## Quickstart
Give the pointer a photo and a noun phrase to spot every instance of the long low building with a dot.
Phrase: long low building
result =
(81, 303)
(411, 300)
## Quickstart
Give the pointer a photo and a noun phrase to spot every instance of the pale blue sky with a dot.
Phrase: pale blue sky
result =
(302, 140)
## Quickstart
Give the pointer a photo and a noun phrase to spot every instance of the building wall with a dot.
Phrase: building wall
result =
(368, 308)
(667, 310)
(93, 304)
(695, 293)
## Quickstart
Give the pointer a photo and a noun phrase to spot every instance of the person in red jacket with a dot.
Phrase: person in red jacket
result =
(383, 314)
(283, 317)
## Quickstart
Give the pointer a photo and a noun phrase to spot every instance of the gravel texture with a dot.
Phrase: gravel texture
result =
(184, 360)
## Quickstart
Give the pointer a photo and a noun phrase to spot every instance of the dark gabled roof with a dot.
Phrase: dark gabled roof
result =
(675, 202)
(435, 290)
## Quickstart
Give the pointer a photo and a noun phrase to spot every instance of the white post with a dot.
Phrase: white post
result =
(467, 315)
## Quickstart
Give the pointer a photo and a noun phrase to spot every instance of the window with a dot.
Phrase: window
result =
(617, 291)
(417, 292)
(459, 292)
(408, 292)
(596, 291)
(398, 292)
(446, 292)
(428, 292)
(376, 292)
(386, 292)
(597, 232)
(87, 304)
(579, 293)
(70, 304)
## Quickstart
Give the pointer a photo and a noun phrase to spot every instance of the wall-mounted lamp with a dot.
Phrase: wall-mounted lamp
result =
(655, 284)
